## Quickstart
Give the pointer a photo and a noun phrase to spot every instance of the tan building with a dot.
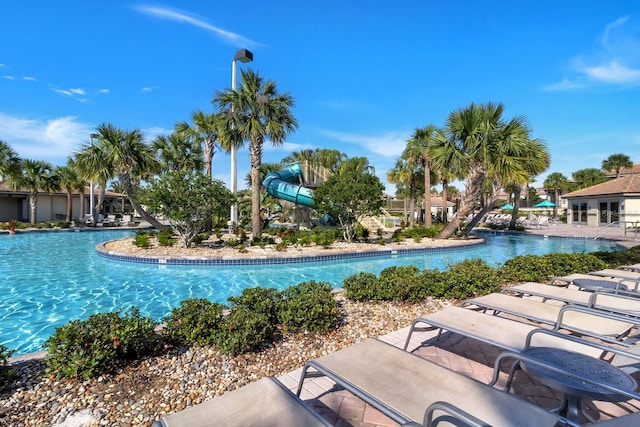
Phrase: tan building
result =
(613, 201)
(14, 205)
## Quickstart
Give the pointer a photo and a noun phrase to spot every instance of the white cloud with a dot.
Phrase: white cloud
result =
(390, 144)
(29, 78)
(7, 77)
(50, 139)
(614, 62)
(147, 89)
(613, 72)
(104, 91)
(174, 15)
(3, 66)
(76, 91)
(62, 92)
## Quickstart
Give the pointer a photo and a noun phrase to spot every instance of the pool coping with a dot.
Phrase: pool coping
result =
(277, 258)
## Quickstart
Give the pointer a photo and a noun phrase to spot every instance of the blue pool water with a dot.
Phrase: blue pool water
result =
(48, 279)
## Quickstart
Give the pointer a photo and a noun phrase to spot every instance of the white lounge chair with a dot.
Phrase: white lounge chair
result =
(404, 387)
(264, 403)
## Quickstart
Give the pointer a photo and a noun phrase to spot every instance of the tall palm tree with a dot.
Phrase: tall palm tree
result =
(93, 165)
(418, 148)
(178, 152)
(132, 160)
(69, 180)
(615, 162)
(34, 176)
(254, 113)
(556, 181)
(468, 149)
(403, 175)
(204, 130)
(9, 160)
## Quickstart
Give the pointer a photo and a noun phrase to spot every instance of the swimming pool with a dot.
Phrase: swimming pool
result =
(51, 278)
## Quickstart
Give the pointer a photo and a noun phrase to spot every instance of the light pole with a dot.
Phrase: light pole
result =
(243, 55)
(91, 195)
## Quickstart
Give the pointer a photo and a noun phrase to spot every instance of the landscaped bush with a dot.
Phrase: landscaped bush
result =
(541, 268)
(242, 331)
(165, 237)
(141, 239)
(5, 372)
(308, 306)
(195, 322)
(87, 348)
(325, 238)
(469, 278)
(418, 233)
(401, 283)
(258, 300)
(618, 258)
(363, 286)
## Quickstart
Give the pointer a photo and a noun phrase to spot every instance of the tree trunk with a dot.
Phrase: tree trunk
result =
(81, 214)
(472, 193)
(555, 207)
(130, 192)
(69, 205)
(412, 205)
(445, 207)
(33, 205)
(427, 193)
(255, 153)
(516, 207)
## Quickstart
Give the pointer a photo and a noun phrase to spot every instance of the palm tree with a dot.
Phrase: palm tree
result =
(35, 176)
(69, 180)
(94, 165)
(203, 131)
(615, 162)
(131, 159)
(587, 177)
(178, 153)
(9, 160)
(467, 151)
(418, 148)
(556, 181)
(255, 112)
(404, 172)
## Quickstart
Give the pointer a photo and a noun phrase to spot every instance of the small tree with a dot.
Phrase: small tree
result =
(185, 199)
(354, 191)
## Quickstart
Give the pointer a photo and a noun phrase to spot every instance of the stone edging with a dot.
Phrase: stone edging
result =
(272, 259)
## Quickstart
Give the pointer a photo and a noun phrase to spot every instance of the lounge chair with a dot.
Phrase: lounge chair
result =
(403, 386)
(585, 321)
(621, 302)
(265, 403)
(571, 278)
(618, 274)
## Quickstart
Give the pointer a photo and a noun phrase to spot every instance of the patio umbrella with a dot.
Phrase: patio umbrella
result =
(507, 206)
(545, 204)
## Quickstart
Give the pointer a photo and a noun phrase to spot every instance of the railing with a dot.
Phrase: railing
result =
(605, 230)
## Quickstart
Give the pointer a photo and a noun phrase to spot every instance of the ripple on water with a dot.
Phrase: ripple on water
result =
(52, 278)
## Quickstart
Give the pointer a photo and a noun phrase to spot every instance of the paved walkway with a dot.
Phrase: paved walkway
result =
(460, 354)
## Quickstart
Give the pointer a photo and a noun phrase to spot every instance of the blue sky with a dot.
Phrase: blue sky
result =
(364, 74)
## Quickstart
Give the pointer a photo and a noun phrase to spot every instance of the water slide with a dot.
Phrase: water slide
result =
(285, 185)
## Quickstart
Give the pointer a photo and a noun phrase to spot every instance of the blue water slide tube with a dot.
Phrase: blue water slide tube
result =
(284, 185)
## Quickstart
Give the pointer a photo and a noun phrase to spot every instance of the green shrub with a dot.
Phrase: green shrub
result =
(418, 233)
(242, 331)
(400, 284)
(308, 306)
(141, 239)
(361, 287)
(232, 243)
(469, 278)
(541, 268)
(618, 258)
(94, 346)
(325, 238)
(282, 247)
(200, 238)
(5, 373)
(165, 237)
(195, 322)
(258, 300)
